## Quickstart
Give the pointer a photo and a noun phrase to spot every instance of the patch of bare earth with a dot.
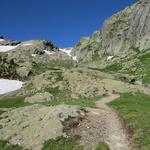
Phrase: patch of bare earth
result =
(103, 125)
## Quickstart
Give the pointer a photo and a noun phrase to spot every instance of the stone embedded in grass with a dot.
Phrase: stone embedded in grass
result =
(39, 98)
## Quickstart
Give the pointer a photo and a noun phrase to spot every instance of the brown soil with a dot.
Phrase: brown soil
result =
(103, 125)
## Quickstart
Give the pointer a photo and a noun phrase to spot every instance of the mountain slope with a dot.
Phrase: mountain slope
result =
(111, 66)
(128, 28)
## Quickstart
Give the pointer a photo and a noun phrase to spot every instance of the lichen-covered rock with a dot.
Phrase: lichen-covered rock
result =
(31, 126)
(40, 83)
(83, 84)
(24, 69)
(39, 98)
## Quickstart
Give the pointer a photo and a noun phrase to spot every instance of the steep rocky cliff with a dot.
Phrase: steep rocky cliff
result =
(126, 29)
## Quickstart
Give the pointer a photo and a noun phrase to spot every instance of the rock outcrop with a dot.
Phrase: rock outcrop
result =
(26, 51)
(6, 42)
(39, 98)
(7, 68)
(31, 126)
(126, 29)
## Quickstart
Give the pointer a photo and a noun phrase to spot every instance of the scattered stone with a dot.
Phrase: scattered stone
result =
(39, 98)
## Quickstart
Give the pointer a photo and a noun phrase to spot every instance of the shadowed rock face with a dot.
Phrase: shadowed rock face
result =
(7, 68)
(128, 28)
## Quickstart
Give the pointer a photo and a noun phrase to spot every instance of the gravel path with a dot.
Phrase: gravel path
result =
(103, 125)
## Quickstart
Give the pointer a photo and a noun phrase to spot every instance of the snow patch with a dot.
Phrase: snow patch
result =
(75, 58)
(7, 48)
(68, 52)
(27, 44)
(7, 86)
(33, 55)
(48, 52)
(109, 58)
(2, 40)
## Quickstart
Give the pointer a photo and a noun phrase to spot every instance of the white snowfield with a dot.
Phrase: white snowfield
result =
(68, 52)
(2, 40)
(7, 86)
(7, 48)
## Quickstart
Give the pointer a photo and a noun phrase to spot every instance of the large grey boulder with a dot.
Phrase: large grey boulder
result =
(32, 125)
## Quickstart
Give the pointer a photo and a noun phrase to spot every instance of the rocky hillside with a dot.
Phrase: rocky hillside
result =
(5, 42)
(126, 29)
(92, 97)
(30, 57)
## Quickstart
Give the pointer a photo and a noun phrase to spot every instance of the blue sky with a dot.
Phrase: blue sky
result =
(63, 22)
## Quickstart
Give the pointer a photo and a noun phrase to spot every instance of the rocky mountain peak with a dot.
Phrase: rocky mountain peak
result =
(126, 29)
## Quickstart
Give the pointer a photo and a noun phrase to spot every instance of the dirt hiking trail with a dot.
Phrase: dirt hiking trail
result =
(103, 125)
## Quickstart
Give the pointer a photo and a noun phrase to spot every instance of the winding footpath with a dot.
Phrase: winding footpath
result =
(103, 125)
(117, 138)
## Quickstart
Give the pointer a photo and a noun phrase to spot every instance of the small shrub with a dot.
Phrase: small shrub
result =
(59, 77)
(62, 143)
(102, 146)
(53, 90)
(95, 56)
(38, 68)
(135, 49)
(4, 145)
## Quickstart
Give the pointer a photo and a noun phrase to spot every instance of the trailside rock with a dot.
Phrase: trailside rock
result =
(39, 98)
(32, 125)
